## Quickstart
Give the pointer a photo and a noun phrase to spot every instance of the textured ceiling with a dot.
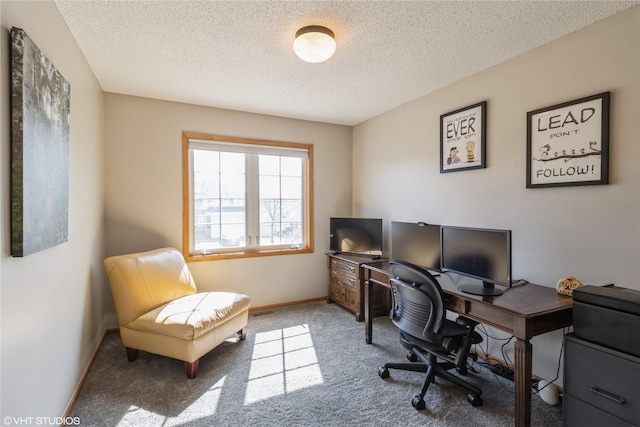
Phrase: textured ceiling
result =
(238, 54)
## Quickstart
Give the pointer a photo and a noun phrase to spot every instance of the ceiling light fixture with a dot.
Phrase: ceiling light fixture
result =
(314, 43)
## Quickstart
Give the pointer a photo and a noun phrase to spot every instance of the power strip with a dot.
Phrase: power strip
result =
(502, 371)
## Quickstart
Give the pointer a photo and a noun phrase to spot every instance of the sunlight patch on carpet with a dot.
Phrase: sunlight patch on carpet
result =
(283, 361)
(139, 416)
(205, 406)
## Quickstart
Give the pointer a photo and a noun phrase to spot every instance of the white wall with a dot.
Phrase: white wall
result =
(144, 191)
(590, 232)
(52, 302)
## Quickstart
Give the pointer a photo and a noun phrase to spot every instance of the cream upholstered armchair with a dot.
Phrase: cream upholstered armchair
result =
(160, 310)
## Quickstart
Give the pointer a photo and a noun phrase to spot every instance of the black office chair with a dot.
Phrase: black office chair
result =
(419, 311)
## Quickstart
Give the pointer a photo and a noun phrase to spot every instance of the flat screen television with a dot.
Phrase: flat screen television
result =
(356, 235)
(479, 253)
(417, 243)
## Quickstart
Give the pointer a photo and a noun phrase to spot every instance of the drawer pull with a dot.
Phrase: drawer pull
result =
(351, 269)
(608, 395)
(334, 262)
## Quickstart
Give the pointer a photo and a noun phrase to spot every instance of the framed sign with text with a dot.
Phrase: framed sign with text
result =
(568, 144)
(462, 138)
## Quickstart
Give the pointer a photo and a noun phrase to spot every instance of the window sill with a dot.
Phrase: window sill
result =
(239, 255)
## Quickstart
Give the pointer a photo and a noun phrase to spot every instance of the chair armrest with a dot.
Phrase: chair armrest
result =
(465, 321)
(472, 336)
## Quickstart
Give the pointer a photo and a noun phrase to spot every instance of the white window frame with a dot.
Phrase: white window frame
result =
(191, 140)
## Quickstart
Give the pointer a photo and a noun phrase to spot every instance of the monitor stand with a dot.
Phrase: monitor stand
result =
(484, 289)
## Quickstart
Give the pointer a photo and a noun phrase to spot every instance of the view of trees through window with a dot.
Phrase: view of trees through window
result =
(281, 202)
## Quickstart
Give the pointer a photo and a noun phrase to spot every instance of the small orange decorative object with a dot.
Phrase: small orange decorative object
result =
(566, 285)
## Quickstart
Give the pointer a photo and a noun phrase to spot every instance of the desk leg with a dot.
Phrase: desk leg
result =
(368, 329)
(522, 377)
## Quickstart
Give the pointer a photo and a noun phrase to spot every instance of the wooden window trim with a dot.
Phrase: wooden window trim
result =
(186, 208)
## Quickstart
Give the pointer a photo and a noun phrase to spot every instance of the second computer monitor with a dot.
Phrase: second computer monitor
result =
(480, 253)
(417, 243)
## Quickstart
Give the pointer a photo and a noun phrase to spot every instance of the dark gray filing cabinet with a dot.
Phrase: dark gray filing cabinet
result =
(601, 385)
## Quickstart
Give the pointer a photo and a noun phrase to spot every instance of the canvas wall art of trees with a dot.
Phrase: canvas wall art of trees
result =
(40, 107)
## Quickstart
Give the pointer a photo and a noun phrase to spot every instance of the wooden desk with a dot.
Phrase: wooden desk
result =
(524, 311)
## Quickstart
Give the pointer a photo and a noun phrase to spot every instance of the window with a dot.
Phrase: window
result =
(245, 197)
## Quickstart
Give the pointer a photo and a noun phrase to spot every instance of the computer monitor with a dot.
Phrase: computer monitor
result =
(356, 235)
(417, 243)
(482, 254)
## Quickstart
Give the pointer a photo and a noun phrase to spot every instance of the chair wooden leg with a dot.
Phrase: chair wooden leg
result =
(132, 353)
(192, 368)
(243, 334)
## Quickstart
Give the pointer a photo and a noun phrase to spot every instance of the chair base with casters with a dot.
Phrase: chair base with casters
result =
(433, 368)
(436, 344)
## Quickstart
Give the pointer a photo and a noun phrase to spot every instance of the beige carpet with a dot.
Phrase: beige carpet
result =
(306, 365)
